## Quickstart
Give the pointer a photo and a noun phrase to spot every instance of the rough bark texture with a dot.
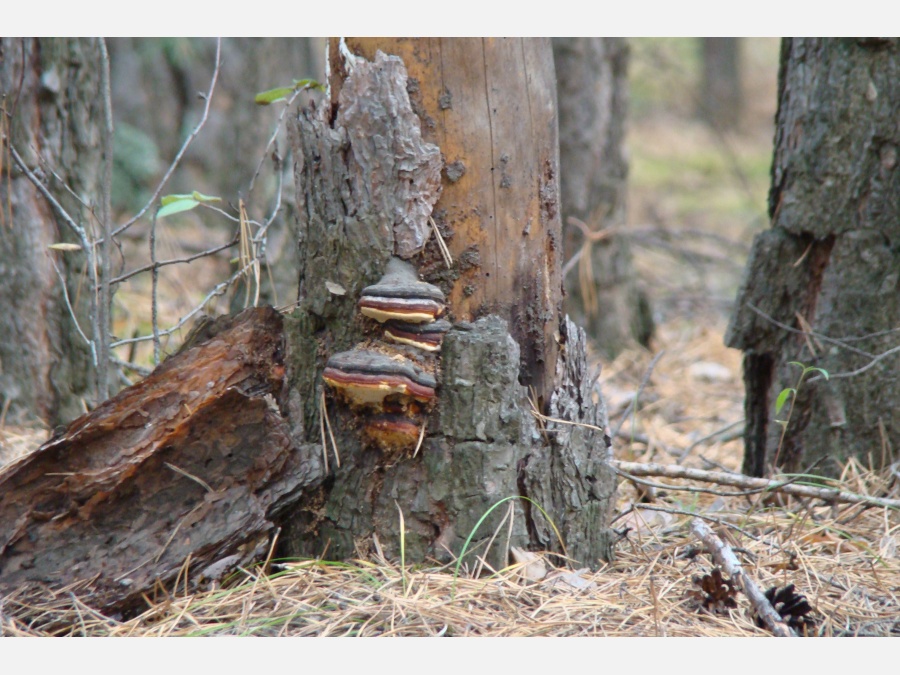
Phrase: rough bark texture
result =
(189, 467)
(603, 291)
(50, 102)
(830, 262)
(721, 97)
(487, 107)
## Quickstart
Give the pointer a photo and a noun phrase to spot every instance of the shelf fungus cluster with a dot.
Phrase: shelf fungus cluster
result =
(391, 383)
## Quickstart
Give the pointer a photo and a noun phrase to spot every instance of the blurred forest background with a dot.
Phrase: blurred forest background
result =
(697, 183)
(696, 191)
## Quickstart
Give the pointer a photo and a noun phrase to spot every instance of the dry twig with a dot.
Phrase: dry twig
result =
(726, 558)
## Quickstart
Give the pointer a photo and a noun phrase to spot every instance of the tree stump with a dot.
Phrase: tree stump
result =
(461, 132)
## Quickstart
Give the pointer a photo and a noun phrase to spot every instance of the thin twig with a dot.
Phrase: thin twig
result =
(175, 261)
(218, 290)
(739, 480)
(104, 288)
(726, 558)
(715, 433)
(154, 288)
(637, 395)
(65, 291)
(184, 146)
(337, 455)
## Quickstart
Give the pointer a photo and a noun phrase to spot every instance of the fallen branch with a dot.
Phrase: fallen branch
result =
(726, 558)
(831, 495)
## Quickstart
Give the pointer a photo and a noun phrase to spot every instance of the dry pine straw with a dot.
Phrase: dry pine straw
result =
(843, 559)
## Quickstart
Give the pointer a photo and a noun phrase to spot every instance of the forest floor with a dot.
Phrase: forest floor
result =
(697, 197)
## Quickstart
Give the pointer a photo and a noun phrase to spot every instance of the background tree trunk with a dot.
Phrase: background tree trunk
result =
(51, 108)
(829, 264)
(721, 96)
(471, 122)
(602, 291)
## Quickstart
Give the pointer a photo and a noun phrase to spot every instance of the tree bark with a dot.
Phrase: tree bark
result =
(51, 105)
(603, 294)
(463, 130)
(184, 473)
(821, 287)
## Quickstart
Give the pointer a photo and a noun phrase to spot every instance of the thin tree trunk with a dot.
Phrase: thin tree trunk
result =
(464, 130)
(603, 293)
(821, 286)
(721, 96)
(51, 105)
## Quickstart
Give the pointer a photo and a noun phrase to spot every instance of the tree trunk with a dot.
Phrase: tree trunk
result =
(602, 290)
(51, 108)
(821, 286)
(465, 131)
(721, 97)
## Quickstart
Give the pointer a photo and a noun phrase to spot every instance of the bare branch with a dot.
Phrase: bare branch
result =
(637, 395)
(748, 483)
(175, 261)
(103, 289)
(65, 290)
(218, 290)
(187, 142)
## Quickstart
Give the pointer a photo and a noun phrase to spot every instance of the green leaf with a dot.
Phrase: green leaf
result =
(64, 247)
(798, 364)
(168, 199)
(200, 197)
(823, 371)
(273, 95)
(308, 84)
(782, 398)
(176, 207)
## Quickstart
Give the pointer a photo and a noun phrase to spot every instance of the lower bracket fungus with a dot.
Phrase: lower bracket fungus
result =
(366, 377)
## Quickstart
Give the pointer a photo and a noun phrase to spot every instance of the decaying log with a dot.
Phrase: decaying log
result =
(726, 558)
(186, 468)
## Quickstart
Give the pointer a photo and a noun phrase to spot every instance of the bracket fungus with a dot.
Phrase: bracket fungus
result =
(425, 336)
(367, 377)
(400, 295)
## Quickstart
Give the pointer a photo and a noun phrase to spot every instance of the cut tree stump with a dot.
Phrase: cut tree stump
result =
(185, 470)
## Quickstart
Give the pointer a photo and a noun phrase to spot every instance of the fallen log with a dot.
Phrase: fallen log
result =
(187, 468)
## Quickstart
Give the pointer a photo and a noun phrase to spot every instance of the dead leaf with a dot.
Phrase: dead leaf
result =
(533, 567)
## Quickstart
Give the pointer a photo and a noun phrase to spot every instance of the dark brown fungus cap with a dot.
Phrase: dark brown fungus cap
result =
(427, 336)
(393, 432)
(367, 377)
(402, 296)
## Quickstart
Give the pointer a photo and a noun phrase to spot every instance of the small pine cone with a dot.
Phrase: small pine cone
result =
(713, 592)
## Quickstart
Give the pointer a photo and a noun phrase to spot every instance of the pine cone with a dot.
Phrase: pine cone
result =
(793, 609)
(713, 592)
